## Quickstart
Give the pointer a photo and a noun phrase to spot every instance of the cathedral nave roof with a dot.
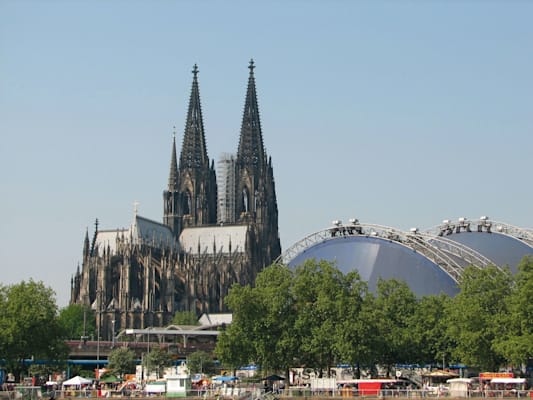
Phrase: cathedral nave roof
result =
(214, 239)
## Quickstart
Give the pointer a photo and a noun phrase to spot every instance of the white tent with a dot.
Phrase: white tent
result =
(508, 380)
(459, 387)
(77, 381)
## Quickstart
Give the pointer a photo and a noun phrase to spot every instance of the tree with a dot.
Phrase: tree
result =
(322, 293)
(43, 371)
(78, 321)
(200, 362)
(29, 325)
(122, 361)
(5, 324)
(356, 340)
(515, 343)
(475, 318)
(185, 318)
(157, 360)
(274, 335)
(235, 345)
(262, 327)
(429, 329)
(395, 305)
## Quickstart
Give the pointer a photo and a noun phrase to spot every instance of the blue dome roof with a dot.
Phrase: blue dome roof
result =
(430, 263)
(502, 249)
(375, 257)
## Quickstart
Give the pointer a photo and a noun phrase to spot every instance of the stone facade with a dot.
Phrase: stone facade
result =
(140, 276)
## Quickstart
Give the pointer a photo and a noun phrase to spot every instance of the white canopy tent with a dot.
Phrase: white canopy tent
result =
(77, 381)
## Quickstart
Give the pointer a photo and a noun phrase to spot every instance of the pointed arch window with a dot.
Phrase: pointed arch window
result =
(171, 204)
(245, 200)
(187, 203)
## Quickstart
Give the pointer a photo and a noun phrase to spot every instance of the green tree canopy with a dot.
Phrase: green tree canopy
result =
(395, 305)
(314, 316)
(356, 339)
(122, 361)
(428, 327)
(235, 345)
(157, 360)
(29, 325)
(322, 293)
(275, 343)
(476, 315)
(291, 317)
(77, 321)
(185, 318)
(515, 342)
(262, 327)
(200, 362)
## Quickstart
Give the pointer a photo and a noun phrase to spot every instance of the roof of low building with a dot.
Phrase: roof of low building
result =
(216, 319)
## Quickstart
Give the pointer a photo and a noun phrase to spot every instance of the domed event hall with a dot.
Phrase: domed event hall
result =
(430, 262)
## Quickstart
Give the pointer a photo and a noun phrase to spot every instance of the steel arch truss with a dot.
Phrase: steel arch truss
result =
(483, 224)
(450, 256)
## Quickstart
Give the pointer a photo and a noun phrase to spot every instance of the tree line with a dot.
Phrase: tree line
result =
(32, 327)
(315, 316)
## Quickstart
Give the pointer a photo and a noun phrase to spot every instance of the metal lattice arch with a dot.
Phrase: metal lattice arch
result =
(430, 262)
(504, 244)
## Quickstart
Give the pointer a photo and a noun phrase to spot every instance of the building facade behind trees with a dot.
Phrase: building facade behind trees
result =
(211, 236)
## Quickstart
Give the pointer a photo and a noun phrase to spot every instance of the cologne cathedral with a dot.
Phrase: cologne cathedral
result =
(215, 232)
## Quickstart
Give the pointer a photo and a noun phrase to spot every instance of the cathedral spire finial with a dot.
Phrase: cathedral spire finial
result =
(86, 244)
(93, 244)
(173, 176)
(194, 151)
(251, 150)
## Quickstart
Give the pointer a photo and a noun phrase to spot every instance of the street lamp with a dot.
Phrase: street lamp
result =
(148, 356)
(98, 322)
(113, 332)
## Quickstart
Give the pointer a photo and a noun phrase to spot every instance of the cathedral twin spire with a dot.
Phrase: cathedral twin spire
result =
(191, 199)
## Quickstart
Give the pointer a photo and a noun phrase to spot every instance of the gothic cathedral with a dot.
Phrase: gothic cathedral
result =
(215, 232)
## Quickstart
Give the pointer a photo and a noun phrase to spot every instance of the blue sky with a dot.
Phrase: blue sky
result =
(399, 113)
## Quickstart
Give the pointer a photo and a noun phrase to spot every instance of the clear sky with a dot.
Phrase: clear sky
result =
(399, 113)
